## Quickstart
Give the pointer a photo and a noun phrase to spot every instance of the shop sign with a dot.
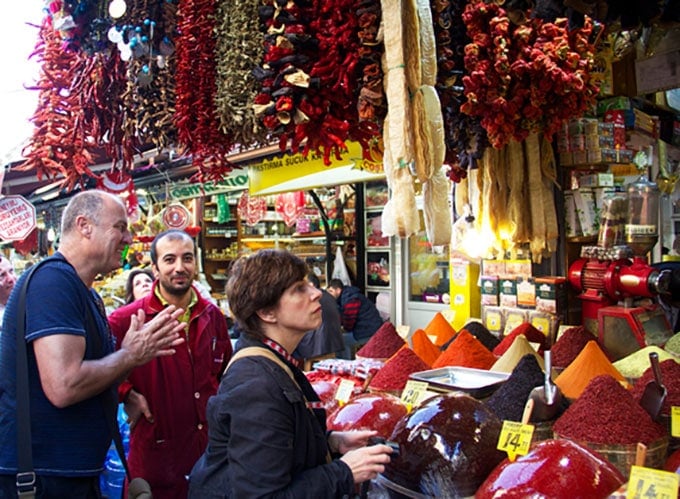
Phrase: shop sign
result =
(236, 180)
(17, 218)
(295, 172)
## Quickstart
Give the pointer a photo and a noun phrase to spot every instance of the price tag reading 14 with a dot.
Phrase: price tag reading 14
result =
(515, 438)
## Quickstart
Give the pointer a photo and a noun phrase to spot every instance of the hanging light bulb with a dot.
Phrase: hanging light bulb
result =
(117, 8)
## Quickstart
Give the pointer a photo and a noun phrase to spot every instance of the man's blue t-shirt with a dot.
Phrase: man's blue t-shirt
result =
(72, 441)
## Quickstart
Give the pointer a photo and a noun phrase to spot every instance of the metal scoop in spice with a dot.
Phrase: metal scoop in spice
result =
(655, 392)
(547, 398)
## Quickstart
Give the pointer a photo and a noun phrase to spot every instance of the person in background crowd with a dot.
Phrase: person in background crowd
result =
(327, 338)
(360, 317)
(7, 280)
(165, 399)
(138, 284)
(72, 376)
(267, 425)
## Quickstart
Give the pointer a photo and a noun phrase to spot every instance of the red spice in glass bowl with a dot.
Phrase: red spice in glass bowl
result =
(392, 377)
(606, 413)
(384, 343)
(368, 411)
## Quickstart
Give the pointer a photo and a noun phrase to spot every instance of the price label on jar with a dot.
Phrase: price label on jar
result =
(344, 391)
(675, 421)
(414, 393)
(515, 438)
(647, 483)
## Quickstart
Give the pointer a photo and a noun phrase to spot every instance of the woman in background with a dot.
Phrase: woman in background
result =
(138, 284)
(267, 426)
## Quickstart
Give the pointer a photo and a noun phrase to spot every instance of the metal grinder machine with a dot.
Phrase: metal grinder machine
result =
(614, 279)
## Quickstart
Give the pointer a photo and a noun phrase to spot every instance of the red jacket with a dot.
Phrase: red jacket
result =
(177, 389)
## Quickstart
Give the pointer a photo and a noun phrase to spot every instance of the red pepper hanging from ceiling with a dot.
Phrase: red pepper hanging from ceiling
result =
(62, 141)
(198, 127)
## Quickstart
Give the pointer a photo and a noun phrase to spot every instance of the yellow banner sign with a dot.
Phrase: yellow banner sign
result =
(295, 172)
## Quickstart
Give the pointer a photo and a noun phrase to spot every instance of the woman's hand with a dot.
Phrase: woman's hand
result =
(367, 462)
(345, 441)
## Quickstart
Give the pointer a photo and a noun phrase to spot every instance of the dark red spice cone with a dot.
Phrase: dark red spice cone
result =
(384, 343)
(394, 374)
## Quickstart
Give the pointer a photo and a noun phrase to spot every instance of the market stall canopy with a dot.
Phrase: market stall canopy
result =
(295, 172)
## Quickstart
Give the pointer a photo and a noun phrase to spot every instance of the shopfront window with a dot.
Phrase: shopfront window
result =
(428, 269)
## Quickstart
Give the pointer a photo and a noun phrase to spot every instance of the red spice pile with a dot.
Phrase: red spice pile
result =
(466, 351)
(384, 343)
(532, 334)
(569, 345)
(606, 413)
(670, 376)
(394, 374)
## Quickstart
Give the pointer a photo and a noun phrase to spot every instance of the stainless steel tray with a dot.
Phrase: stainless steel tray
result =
(476, 382)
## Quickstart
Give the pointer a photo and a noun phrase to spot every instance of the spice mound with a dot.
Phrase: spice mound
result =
(606, 413)
(383, 344)
(552, 468)
(465, 351)
(588, 364)
(480, 331)
(670, 375)
(368, 411)
(440, 329)
(509, 360)
(673, 345)
(508, 401)
(424, 348)
(392, 377)
(569, 345)
(633, 365)
(447, 447)
(532, 334)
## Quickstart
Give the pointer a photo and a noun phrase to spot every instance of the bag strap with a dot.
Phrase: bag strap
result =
(263, 352)
(109, 400)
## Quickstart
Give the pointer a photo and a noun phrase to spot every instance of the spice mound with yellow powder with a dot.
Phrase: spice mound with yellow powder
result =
(588, 364)
(633, 365)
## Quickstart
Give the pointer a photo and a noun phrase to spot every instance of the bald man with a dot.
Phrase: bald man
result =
(73, 369)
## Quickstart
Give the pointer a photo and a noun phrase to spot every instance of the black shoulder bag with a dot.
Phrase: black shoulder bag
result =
(25, 480)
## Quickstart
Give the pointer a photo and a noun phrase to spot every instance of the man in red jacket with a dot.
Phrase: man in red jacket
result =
(166, 398)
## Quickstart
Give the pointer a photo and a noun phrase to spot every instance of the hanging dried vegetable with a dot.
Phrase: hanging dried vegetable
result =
(371, 102)
(465, 138)
(238, 50)
(525, 78)
(198, 127)
(148, 101)
(61, 144)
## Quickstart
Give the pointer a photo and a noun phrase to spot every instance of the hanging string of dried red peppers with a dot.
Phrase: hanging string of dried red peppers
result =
(198, 127)
(62, 142)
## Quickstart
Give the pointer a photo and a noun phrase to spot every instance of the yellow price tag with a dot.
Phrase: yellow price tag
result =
(515, 438)
(647, 483)
(675, 421)
(344, 391)
(413, 393)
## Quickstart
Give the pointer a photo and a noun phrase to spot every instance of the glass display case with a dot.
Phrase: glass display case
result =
(428, 269)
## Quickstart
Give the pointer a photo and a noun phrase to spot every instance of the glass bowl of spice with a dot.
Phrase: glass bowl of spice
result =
(608, 420)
